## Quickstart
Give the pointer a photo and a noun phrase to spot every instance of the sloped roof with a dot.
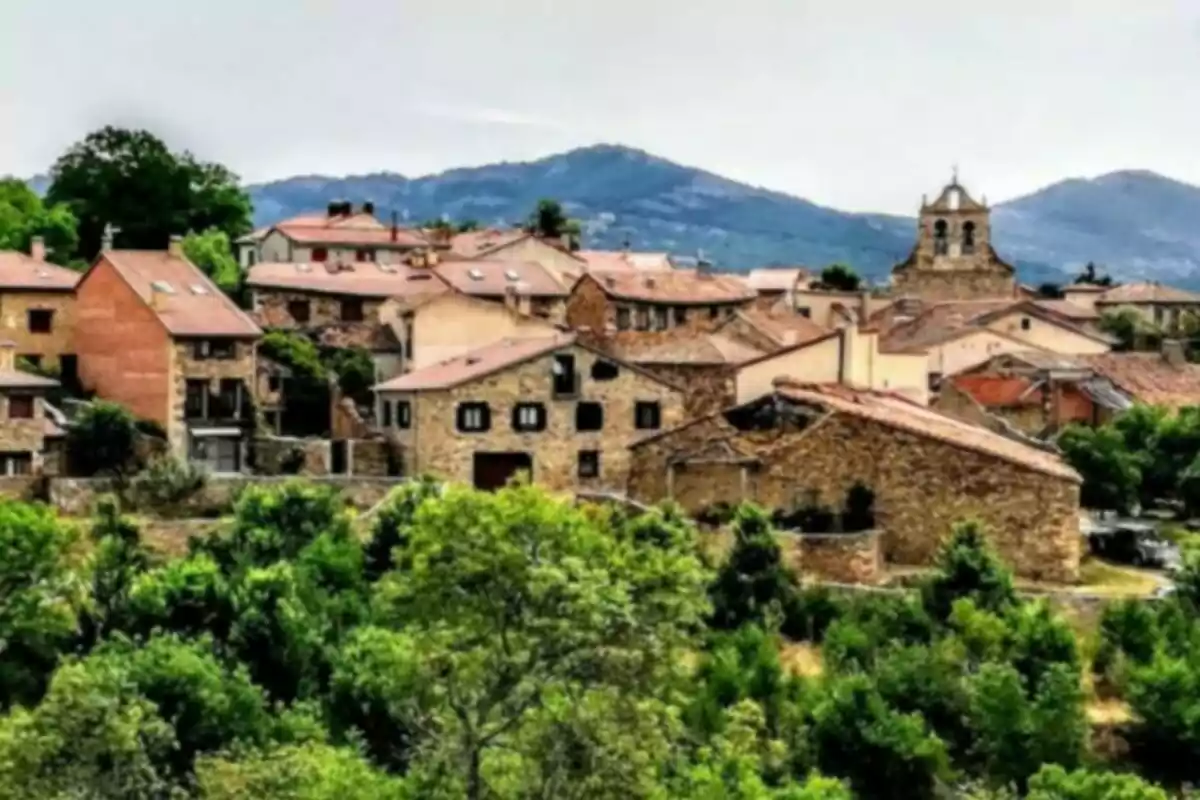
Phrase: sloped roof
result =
(1073, 311)
(623, 260)
(999, 391)
(938, 322)
(776, 279)
(898, 412)
(676, 286)
(19, 379)
(782, 327)
(472, 244)
(1149, 377)
(476, 364)
(1148, 292)
(19, 271)
(353, 230)
(357, 279)
(689, 349)
(189, 303)
(483, 278)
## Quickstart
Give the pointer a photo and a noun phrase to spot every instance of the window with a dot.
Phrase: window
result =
(941, 244)
(968, 239)
(642, 320)
(662, 318)
(214, 348)
(34, 360)
(474, 417)
(528, 417)
(680, 315)
(647, 416)
(320, 254)
(196, 402)
(404, 414)
(364, 255)
(20, 406)
(385, 414)
(714, 312)
(589, 417)
(623, 319)
(1026, 324)
(225, 404)
(41, 320)
(16, 463)
(935, 381)
(274, 383)
(299, 310)
(352, 310)
(604, 370)
(68, 368)
(589, 463)
(565, 379)
(804, 311)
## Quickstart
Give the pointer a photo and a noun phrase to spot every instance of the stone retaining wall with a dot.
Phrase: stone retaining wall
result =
(854, 558)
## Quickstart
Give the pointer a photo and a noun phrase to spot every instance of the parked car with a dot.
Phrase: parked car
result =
(1131, 541)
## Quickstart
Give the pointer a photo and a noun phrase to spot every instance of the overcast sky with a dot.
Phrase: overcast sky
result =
(858, 104)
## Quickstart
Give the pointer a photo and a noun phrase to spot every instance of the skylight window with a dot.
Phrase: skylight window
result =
(162, 286)
(475, 275)
(199, 289)
(512, 276)
(304, 267)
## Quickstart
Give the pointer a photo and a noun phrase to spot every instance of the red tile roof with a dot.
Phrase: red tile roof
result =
(355, 230)
(21, 272)
(1149, 377)
(689, 349)
(676, 286)
(189, 304)
(996, 391)
(938, 322)
(473, 244)
(783, 327)
(1148, 292)
(482, 278)
(357, 279)
(476, 364)
(623, 260)
(900, 413)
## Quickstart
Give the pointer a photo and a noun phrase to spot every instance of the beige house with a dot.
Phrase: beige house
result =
(340, 235)
(519, 246)
(552, 407)
(804, 445)
(1163, 306)
(831, 309)
(778, 284)
(37, 309)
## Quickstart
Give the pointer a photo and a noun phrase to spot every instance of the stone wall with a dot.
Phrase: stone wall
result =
(271, 309)
(953, 284)
(373, 457)
(15, 308)
(185, 366)
(271, 454)
(922, 485)
(838, 557)
(22, 487)
(434, 445)
(23, 435)
(707, 387)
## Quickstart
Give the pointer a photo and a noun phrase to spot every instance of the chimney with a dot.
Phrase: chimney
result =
(8, 356)
(1173, 352)
(565, 241)
(517, 301)
(864, 305)
(175, 246)
(395, 227)
(368, 207)
(106, 239)
(37, 248)
(332, 209)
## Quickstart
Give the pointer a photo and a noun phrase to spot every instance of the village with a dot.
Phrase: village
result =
(503, 354)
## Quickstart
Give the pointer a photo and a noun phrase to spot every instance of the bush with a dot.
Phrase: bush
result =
(101, 440)
(166, 483)
(754, 583)
(967, 568)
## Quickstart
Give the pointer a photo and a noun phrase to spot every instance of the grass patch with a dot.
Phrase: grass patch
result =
(1101, 577)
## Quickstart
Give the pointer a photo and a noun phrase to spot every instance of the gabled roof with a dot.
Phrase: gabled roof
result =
(483, 278)
(1076, 312)
(623, 260)
(354, 230)
(473, 244)
(1148, 292)
(953, 198)
(189, 304)
(676, 286)
(690, 349)
(356, 279)
(21, 272)
(493, 358)
(1149, 377)
(782, 327)
(938, 322)
(776, 279)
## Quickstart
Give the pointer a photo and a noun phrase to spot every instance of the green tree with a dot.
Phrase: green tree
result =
(1052, 782)
(131, 180)
(305, 771)
(753, 583)
(550, 221)
(355, 371)
(392, 522)
(1092, 277)
(23, 216)
(516, 605)
(40, 597)
(102, 440)
(212, 252)
(840, 278)
(1111, 473)
(118, 559)
(1050, 291)
(967, 568)
(1128, 328)
(307, 391)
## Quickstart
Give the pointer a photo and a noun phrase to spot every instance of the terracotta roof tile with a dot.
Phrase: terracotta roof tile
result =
(707, 349)
(996, 391)
(1149, 378)
(473, 244)
(677, 286)
(482, 278)
(623, 260)
(358, 229)
(897, 412)
(1148, 292)
(18, 379)
(358, 279)
(189, 303)
(1073, 311)
(476, 364)
(22, 272)
(784, 327)
(938, 322)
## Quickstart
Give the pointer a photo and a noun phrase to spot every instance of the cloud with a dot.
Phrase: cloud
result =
(482, 115)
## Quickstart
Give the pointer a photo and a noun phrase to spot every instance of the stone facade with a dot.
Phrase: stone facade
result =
(45, 348)
(953, 258)
(272, 455)
(707, 387)
(22, 436)
(590, 307)
(271, 309)
(434, 445)
(922, 485)
(836, 557)
(186, 366)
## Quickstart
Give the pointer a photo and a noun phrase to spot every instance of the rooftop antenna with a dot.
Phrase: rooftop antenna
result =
(954, 174)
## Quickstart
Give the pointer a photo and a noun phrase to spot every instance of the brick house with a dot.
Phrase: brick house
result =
(156, 335)
(37, 309)
(605, 302)
(24, 426)
(554, 406)
(807, 444)
(341, 234)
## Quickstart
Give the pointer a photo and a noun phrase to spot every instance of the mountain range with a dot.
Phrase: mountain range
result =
(1136, 224)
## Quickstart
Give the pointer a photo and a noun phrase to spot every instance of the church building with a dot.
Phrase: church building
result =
(953, 258)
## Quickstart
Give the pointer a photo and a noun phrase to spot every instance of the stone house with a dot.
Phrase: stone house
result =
(437, 326)
(340, 235)
(37, 309)
(554, 407)
(1165, 307)
(24, 426)
(833, 309)
(156, 335)
(806, 444)
(529, 286)
(953, 258)
(772, 328)
(617, 301)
